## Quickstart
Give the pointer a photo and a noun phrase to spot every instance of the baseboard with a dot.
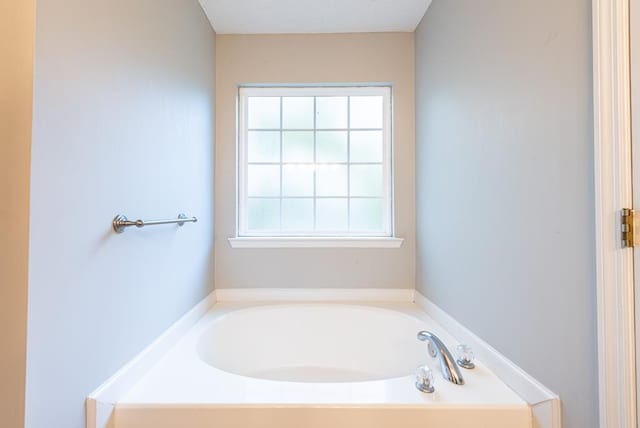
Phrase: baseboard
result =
(544, 403)
(101, 402)
(314, 295)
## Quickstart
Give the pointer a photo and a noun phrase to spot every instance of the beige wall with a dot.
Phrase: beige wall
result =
(17, 20)
(382, 57)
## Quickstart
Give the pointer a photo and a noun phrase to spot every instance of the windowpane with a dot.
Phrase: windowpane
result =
(297, 180)
(332, 215)
(264, 112)
(331, 146)
(367, 215)
(297, 113)
(297, 146)
(331, 113)
(264, 214)
(264, 146)
(366, 180)
(331, 180)
(297, 214)
(366, 146)
(264, 180)
(366, 112)
(316, 161)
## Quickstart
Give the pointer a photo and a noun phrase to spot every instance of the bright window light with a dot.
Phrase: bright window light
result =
(315, 161)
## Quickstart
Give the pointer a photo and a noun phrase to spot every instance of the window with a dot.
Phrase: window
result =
(314, 162)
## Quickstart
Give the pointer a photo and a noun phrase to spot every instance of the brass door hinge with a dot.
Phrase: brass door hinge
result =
(628, 228)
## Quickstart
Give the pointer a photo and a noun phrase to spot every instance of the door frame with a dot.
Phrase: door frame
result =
(613, 191)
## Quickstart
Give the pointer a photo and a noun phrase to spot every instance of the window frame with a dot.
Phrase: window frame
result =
(313, 90)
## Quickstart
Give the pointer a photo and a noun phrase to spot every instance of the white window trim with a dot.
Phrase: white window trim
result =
(315, 242)
(278, 239)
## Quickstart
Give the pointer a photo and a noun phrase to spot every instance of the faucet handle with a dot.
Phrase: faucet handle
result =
(424, 379)
(465, 357)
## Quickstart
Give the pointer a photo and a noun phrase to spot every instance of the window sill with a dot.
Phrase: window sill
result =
(315, 242)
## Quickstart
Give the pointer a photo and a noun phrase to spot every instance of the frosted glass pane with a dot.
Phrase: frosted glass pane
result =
(297, 214)
(366, 112)
(264, 146)
(297, 146)
(263, 214)
(332, 215)
(331, 146)
(297, 112)
(367, 215)
(331, 113)
(264, 112)
(366, 180)
(263, 180)
(331, 180)
(297, 180)
(366, 146)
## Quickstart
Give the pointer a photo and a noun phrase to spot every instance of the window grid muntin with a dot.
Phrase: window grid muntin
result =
(315, 93)
(315, 159)
(281, 162)
(349, 162)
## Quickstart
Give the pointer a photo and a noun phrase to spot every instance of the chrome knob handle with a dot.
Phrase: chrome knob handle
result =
(424, 379)
(465, 357)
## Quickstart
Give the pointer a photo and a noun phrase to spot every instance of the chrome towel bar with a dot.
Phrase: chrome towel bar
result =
(120, 222)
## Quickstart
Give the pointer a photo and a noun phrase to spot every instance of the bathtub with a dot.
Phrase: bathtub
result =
(312, 365)
(314, 343)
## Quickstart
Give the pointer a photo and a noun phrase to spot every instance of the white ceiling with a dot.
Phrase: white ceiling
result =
(313, 16)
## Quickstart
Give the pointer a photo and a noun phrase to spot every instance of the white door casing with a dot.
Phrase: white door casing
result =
(634, 56)
(613, 191)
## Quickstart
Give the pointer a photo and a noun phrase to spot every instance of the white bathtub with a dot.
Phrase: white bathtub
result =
(312, 365)
(314, 343)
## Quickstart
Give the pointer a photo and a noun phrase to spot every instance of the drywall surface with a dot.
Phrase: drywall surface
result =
(17, 32)
(123, 123)
(328, 58)
(505, 195)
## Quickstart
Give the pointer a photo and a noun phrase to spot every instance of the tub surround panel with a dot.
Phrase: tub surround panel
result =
(505, 184)
(315, 58)
(122, 123)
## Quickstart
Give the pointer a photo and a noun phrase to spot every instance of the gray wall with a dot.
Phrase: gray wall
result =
(123, 123)
(504, 184)
(17, 32)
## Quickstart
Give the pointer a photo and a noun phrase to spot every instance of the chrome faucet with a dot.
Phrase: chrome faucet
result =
(437, 349)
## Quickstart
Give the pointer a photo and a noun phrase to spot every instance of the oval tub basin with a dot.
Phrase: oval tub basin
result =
(314, 343)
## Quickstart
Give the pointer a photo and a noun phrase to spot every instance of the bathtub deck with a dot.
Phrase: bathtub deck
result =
(182, 390)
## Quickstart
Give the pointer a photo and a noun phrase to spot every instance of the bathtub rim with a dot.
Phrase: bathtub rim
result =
(100, 404)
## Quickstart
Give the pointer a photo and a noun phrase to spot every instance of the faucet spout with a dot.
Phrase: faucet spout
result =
(450, 370)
